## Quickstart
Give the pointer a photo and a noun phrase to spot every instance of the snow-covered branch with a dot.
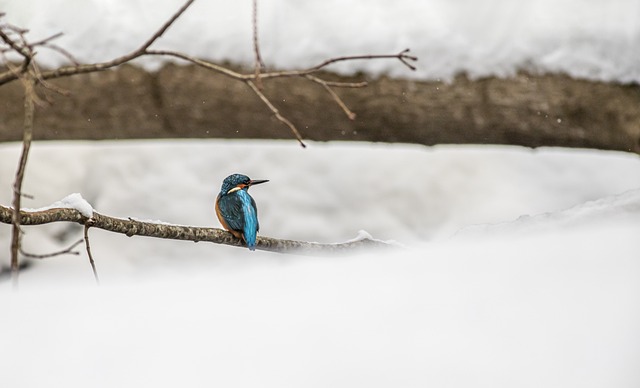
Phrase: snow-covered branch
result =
(132, 227)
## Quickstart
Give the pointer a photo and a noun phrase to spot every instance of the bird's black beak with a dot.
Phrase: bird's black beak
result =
(257, 182)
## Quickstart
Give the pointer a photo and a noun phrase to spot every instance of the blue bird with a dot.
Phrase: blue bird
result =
(236, 210)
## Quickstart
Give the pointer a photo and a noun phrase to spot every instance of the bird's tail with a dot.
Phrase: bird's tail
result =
(250, 239)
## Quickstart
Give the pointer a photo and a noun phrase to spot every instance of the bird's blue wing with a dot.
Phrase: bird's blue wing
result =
(250, 213)
(240, 213)
(231, 210)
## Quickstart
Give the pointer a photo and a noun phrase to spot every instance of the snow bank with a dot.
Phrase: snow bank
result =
(586, 39)
(549, 309)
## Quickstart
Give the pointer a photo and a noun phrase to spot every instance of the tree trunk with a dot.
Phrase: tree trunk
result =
(187, 101)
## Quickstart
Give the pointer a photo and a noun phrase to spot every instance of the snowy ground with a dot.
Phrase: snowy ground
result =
(542, 291)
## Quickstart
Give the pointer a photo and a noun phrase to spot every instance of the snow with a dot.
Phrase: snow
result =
(516, 267)
(71, 201)
(611, 211)
(589, 39)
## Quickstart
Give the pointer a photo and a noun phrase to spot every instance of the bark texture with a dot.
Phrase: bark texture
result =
(131, 227)
(191, 102)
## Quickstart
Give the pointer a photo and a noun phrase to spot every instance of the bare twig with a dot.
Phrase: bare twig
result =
(62, 52)
(89, 223)
(45, 41)
(405, 58)
(202, 63)
(276, 74)
(66, 251)
(30, 66)
(354, 85)
(165, 26)
(81, 69)
(247, 78)
(276, 113)
(402, 56)
(22, 50)
(131, 227)
(46, 84)
(336, 98)
(259, 64)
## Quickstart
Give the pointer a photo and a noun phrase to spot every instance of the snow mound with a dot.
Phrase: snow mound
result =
(71, 201)
(609, 212)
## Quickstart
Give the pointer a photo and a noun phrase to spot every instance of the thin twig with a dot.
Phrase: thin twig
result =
(89, 223)
(338, 84)
(22, 72)
(336, 98)
(259, 64)
(16, 29)
(278, 74)
(47, 85)
(276, 113)
(62, 52)
(202, 63)
(72, 70)
(81, 69)
(402, 56)
(45, 41)
(67, 251)
(164, 27)
(23, 51)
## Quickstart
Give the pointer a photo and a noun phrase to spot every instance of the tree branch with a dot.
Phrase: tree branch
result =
(283, 73)
(132, 227)
(29, 84)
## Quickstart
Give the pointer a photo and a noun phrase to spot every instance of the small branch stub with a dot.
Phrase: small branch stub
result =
(67, 251)
(88, 224)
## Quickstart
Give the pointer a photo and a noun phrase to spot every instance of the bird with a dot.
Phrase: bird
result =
(237, 210)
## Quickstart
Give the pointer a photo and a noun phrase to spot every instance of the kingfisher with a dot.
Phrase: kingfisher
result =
(236, 210)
